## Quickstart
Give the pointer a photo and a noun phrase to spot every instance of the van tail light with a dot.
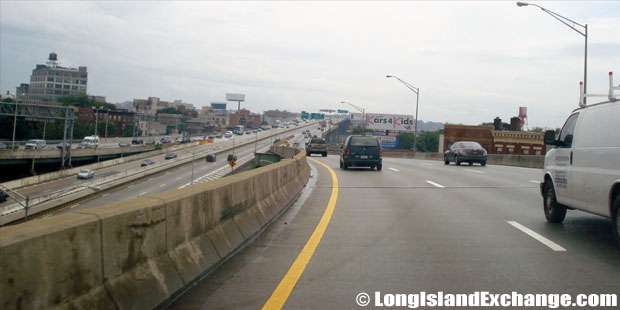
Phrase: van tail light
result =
(380, 152)
(348, 151)
(463, 152)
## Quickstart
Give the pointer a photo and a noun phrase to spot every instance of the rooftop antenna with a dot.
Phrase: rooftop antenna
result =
(609, 95)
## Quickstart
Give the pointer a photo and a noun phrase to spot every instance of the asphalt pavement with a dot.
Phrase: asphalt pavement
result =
(417, 226)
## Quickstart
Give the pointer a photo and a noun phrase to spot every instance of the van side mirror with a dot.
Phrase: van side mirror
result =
(550, 137)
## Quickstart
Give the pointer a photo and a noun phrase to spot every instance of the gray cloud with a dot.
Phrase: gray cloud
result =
(472, 60)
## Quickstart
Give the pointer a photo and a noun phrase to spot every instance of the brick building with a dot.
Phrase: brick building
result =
(496, 141)
(120, 118)
(245, 118)
(518, 143)
(480, 134)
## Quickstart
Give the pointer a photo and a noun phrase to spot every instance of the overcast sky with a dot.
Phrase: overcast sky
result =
(472, 61)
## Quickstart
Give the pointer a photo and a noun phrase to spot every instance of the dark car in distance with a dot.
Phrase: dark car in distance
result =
(465, 152)
(123, 144)
(211, 158)
(136, 141)
(362, 151)
(3, 196)
(170, 155)
(147, 162)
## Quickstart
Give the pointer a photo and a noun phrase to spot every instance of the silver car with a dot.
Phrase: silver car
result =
(86, 174)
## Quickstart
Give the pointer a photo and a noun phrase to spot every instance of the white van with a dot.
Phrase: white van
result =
(582, 171)
(89, 142)
(35, 144)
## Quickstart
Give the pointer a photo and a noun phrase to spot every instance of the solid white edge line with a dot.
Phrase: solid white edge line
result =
(476, 171)
(537, 182)
(142, 193)
(393, 169)
(435, 184)
(554, 246)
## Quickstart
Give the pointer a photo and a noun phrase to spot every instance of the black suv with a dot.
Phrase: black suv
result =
(362, 151)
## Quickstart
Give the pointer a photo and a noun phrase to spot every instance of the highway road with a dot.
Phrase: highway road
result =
(182, 176)
(61, 185)
(417, 226)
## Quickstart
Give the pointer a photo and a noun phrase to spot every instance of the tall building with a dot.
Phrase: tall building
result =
(51, 81)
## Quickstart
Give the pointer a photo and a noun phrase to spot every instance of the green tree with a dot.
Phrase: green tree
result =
(536, 129)
(83, 101)
(405, 140)
(428, 141)
(111, 129)
(168, 111)
(360, 130)
(128, 130)
(8, 100)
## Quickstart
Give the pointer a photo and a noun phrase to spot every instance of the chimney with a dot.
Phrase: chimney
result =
(515, 123)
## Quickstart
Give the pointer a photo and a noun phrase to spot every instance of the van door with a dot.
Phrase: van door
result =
(596, 158)
(562, 161)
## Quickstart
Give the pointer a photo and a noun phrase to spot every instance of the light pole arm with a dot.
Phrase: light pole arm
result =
(414, 89)
(563, 20)
(354, 106)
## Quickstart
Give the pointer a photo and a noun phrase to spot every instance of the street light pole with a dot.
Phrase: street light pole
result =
(571, 24)
(107, 117)
(96, 116)
(417, 100)
(363, 114)
(14, 125)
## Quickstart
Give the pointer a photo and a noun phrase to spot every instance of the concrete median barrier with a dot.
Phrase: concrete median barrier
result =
(141, 253)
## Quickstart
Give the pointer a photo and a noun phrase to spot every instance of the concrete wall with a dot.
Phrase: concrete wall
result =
(139, 253)
(529, 161)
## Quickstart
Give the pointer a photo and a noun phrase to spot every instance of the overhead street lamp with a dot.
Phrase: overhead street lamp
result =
(361, 110)
(572, 25)
(417, 100)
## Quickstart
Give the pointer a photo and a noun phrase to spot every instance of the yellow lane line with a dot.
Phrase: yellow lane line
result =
(284, 289)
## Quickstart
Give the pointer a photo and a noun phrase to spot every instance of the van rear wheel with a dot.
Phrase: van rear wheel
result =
(615, 219)
(445, 160)
(554, 211)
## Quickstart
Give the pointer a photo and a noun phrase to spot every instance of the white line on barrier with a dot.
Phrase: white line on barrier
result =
(537, 182)
(393, 169)
(554, 246)
(434, 184)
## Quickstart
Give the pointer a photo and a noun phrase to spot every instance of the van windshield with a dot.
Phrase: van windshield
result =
(364, 141)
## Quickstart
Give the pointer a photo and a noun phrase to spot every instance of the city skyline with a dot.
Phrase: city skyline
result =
(472, 61)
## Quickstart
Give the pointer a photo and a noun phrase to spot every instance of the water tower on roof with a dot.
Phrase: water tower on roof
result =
(52, 60)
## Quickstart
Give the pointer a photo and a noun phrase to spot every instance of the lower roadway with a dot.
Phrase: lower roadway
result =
(182, 176)
(415, 226)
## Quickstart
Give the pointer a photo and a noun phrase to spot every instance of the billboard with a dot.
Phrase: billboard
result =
(235, 97)
(218, 106)
(389, 122)
(388, 142)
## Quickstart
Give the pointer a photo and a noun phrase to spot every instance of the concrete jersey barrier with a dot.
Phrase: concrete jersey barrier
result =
(139, 253)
